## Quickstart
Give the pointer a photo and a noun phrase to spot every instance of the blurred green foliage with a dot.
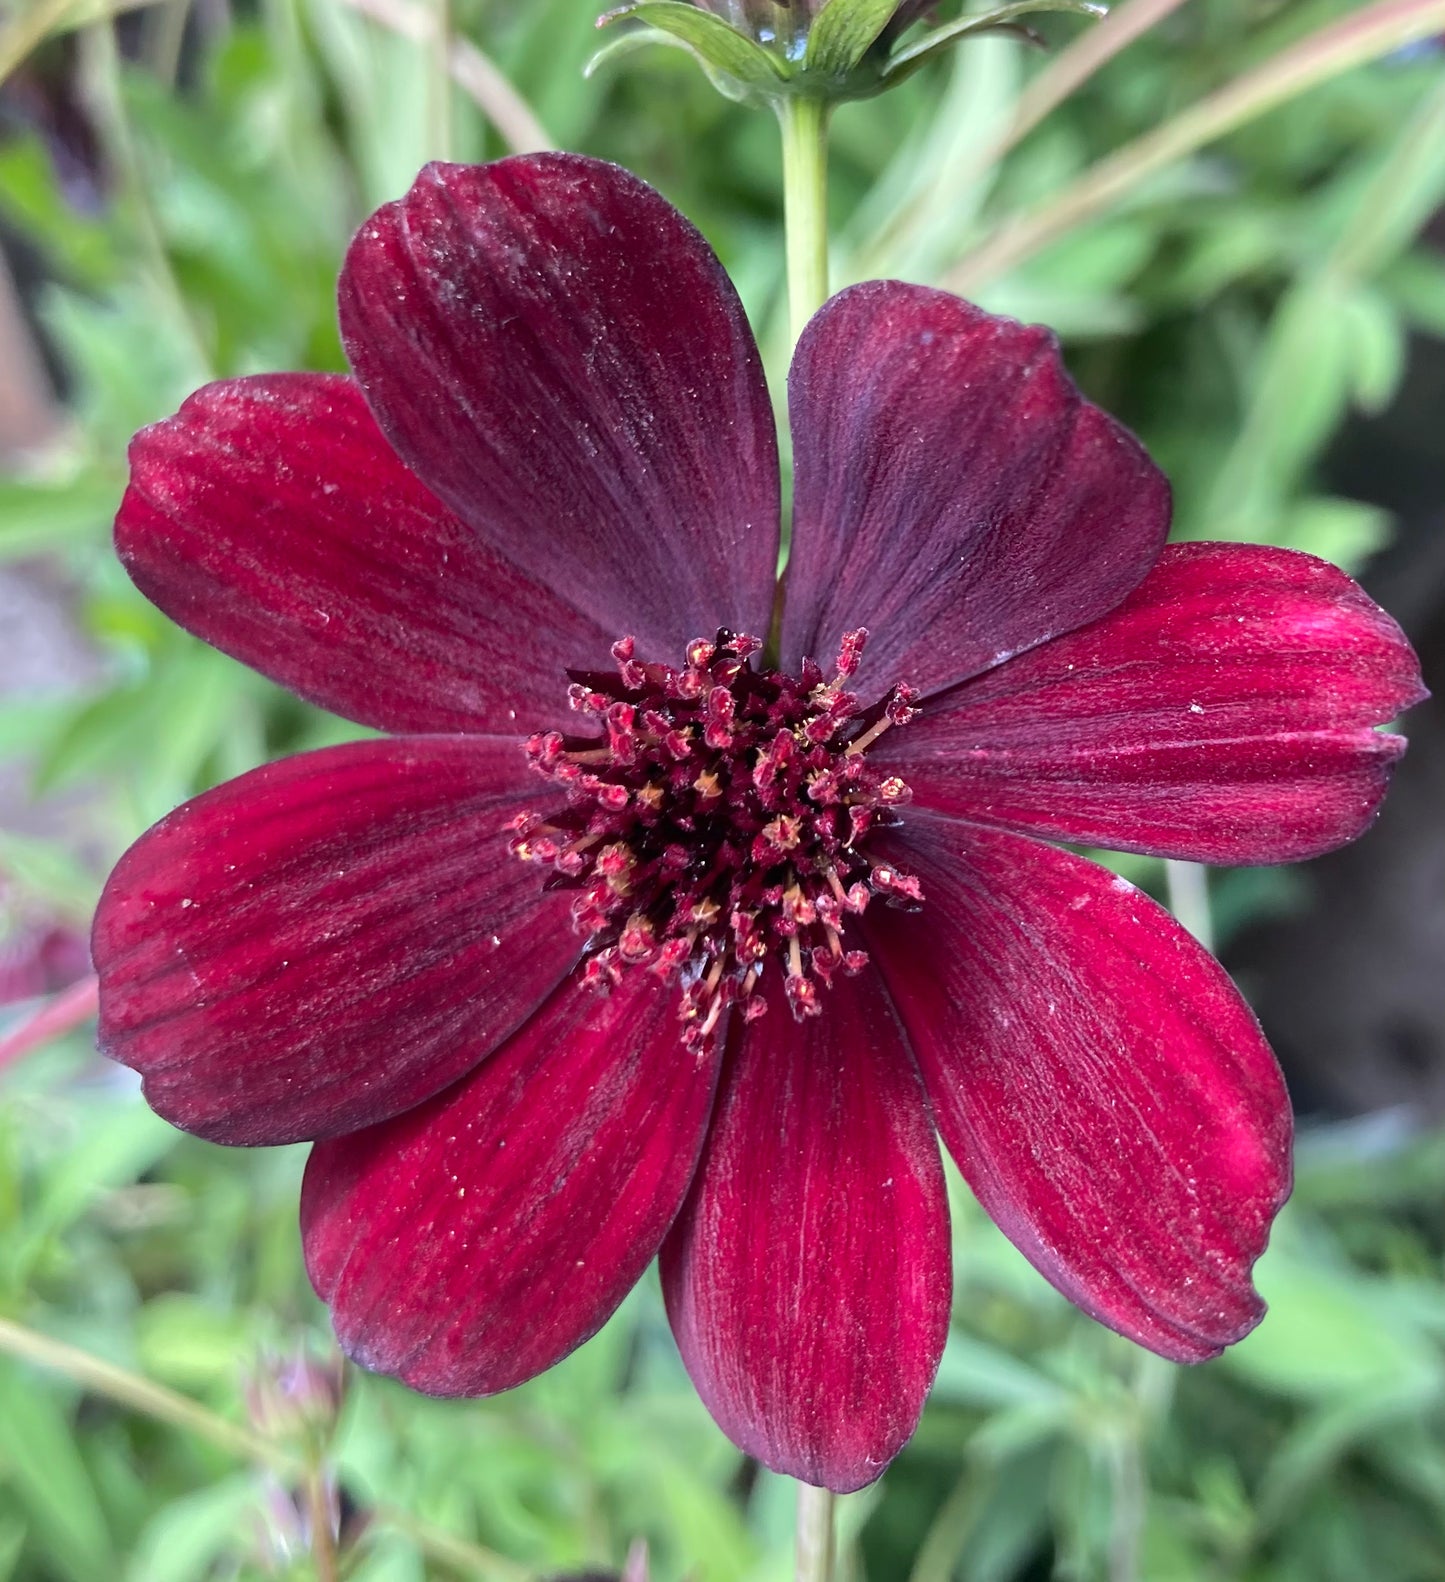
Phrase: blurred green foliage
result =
(1234, 310)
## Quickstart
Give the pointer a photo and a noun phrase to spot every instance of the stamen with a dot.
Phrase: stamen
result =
(714, 830)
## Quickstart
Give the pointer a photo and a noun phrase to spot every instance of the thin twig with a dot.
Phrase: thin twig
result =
(27, 31)
(156, 1401)
(101, 55)
(145, 1396)
(1071, 68)
(1362, 36)
(473, 72)
(60, 1014)
(439, 78)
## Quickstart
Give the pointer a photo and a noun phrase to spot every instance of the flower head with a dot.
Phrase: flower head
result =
(676, 914)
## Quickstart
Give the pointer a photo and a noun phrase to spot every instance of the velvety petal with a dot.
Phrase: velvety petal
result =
(1223, 713)
(808, 1278)
(476, 1241)
(270, 518)
(955, 494)
(329, 939)
(1105, 1090)
(559, 355)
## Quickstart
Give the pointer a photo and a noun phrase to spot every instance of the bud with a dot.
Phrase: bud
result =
(297, 1397)
(764, 51)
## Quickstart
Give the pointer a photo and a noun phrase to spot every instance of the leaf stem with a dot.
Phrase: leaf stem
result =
(144, 1396)
(101, 54)
(164, 1405)
(319, 1515)
(815, 1543)
(439, 86)
(1187, 887)
(804, 122)
(62, 1013)
(476, 74)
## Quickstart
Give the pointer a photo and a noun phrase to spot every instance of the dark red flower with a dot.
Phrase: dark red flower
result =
(537, 531)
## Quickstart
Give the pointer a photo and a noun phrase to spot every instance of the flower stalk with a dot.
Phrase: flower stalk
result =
(804, 121)
(815, 1542)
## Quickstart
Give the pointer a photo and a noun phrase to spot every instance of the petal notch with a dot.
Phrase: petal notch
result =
(1224, 713)
(955, 494)
(1104, 1089)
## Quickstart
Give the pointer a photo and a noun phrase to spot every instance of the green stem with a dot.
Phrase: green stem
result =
(440, 87)
(144, 1396)
(164, 1405)
(1187, 886)
(27, 32)
(805, 205)
(323, 1536)
(815, 1545)
(102, 56)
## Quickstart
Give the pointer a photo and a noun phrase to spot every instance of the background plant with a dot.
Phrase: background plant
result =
(1235, 266)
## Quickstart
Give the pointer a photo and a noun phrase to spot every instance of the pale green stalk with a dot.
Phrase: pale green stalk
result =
(1071, 68)
(805, 206)
(102, 60)
(476, 74)
(1187, 885)
(805, 209)
(25, 32)
(815, 1542)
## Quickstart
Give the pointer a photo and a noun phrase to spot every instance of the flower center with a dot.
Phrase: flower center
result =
(718, 821)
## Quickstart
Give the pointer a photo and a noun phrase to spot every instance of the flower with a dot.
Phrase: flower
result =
(506, 967)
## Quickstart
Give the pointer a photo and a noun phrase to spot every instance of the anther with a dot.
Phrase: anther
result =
(717, 824)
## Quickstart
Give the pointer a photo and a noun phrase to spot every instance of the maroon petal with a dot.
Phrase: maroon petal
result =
(1105, 1090)
(558, 353)
(327, 940)
(954, 493)
(1223, 713)
(270, 518)
(474, 1242)
(807, 1279)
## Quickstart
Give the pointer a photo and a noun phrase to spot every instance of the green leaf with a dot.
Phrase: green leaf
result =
(192, 1344)
(978, 1374)
(43, 517)
(117, 1147)
(1347, 532)
(1361, 36)
(40, 1461)
(933, 44)
(631, 43)
(843, 32)
(1416, 284)
(1407, 189)
(1376, 341)
(712, 40)
(183, 1542)
(1332, 1335)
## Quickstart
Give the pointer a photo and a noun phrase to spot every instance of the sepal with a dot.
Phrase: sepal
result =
(764, 51)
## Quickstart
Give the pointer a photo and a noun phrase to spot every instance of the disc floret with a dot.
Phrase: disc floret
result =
(716, 822)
